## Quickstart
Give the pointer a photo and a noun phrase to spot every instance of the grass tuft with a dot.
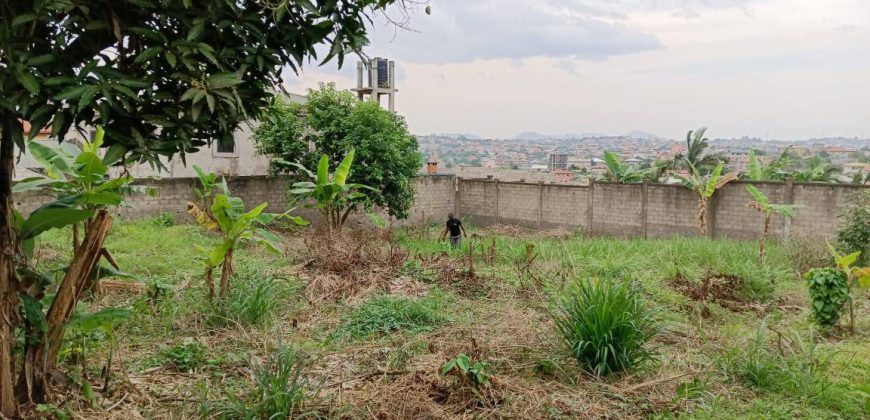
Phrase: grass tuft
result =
(606, 326)
(385, 314)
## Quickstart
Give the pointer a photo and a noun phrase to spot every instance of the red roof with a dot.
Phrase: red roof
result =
(44, 131)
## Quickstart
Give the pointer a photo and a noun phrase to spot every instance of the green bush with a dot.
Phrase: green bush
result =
(853, 233)
(829, 293)
(606, 326)
(386, 314)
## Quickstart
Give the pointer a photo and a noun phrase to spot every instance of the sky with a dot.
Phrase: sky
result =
(775, 69)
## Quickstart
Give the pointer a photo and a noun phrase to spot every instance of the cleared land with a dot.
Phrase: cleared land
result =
(375, 316)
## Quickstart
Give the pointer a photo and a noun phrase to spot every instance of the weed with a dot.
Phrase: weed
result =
(281, 386)
(417, 271)
(475, 372)
(794, 368)
(185, 357)
(384, 314)
(252, 302)
(606, 326)
(853, 233)
(805, 253)
(163, 220)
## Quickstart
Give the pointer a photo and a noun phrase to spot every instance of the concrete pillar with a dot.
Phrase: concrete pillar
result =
(457, 206)
(590, 216)
(789, 199)
(540, 203)
(497, 215)
(643, 208)
(392, 81)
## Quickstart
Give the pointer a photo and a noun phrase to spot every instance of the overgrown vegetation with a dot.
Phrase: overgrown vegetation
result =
(411, 341)
(829, 292)
(853, 234)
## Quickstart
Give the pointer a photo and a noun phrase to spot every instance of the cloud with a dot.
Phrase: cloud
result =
(461, 31)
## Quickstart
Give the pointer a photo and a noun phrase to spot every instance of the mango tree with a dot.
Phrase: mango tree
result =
(162, 77)
(705, 187)
(332, 194)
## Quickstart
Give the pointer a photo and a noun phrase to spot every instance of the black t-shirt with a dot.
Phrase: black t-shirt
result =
(453, 226)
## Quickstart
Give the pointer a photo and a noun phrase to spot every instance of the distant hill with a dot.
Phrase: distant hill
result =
(469, 136)
(641, 135)
(531, 135)
(582, 135)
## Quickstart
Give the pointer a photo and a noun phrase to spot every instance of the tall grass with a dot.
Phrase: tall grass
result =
(606, 326)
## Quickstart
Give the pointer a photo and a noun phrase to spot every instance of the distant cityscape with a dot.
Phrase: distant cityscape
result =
(535, 157)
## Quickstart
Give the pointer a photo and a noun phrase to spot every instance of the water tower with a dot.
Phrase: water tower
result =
(381, 81)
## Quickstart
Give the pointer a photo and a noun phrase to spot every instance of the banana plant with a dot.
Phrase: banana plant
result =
(333, 196)
(78, 180)
(235, 225)
(619, 171)
(856, 277)
(705, 187)
(762, 204)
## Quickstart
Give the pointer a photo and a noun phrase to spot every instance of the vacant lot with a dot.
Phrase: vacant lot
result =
(360, 327)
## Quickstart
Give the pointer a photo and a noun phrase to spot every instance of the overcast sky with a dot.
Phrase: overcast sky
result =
(782, 69)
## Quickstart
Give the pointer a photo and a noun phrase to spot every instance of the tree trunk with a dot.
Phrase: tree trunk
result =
(8, 281)
(226, 273)
(209, 281)
(40, 359)
(763, 236)
(702, 216)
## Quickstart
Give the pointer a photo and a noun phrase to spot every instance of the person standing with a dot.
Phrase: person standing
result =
(455, 229)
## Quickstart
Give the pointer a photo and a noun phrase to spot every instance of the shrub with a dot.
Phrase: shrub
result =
(853, 233)
(829, 293)
(185, 357)
(386, 314)
(252, 302)
(606, 326)
(281, 386)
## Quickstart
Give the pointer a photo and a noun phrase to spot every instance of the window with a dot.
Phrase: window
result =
(226, 146)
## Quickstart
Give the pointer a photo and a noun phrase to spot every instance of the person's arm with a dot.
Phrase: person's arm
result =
(462, 228)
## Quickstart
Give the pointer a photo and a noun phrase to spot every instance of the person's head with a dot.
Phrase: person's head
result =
(449, 216)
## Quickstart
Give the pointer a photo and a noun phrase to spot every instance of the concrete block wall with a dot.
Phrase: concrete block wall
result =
(652, 210)
(672, 210)
(617, 211)
(566, 206)
(822, 206)
(434, 198)
(519, 203)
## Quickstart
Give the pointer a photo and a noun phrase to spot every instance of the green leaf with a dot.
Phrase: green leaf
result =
(103, 319)
(23, 18)
(51, 218)
(113, 154)
(755, 172)
(147, 54)
(55, 161)
(28, 81)
(343, 169)
(713, 180)
(323, 170)
(31, 184)
(72, 92)
(223, 80)
(759, 196)
(90, 167)
(846, 261)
